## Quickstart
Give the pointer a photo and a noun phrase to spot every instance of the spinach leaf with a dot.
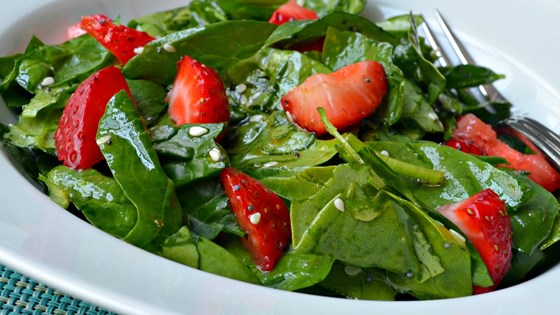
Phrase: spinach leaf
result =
(324, 7)
(260, 10)
(68, 63)
(206, 210)
(365, 233)
(533, 221)
(269, 75)
(267, 145)
(134, 163)
(301, 31)
(197, 13)
(465, 76)
(186, 157)
(199, 252)
(150, 99)
(353, 283)
(181, 247)
(465, 175)
(300, 185)
(98, 197)
(294, 271)
(238, 40)
(38, 121)
(400, 25)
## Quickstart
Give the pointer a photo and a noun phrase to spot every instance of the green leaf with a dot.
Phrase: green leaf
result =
(237, 40)
(465, 76)
(186, 157)
(294, 271)
(98, 197)
(217, 260)
(181, 247)
(134, 163)
(269, 75)
(205, 208)
(353, 283)
(301, 31)
(150, 99)
(271, 146)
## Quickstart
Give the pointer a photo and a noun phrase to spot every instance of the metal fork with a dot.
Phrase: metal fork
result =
(541, 136)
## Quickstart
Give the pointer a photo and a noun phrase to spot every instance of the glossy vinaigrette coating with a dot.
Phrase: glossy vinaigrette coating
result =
(361, 205)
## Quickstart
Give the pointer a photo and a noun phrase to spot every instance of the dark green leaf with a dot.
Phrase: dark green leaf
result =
(237, 40)
(134, 163)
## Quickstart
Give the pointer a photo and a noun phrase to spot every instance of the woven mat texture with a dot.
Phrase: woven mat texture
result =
(22, 295)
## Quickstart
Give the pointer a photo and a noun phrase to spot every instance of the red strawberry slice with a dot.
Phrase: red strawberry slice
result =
(75, 138)
(291, 11)
(261, 213)
(348, 95)
(120, 40)
(541, 172)
(198, 95)
(464, 146)
(484, 220)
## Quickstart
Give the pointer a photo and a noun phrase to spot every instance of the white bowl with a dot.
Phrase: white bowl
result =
(43, 241)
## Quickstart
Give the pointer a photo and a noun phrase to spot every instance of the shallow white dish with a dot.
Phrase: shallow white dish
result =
(43, 241)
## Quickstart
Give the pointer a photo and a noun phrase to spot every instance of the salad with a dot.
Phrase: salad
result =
(297, 146)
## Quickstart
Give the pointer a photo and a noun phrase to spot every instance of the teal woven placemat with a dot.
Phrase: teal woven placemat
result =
(22, 295)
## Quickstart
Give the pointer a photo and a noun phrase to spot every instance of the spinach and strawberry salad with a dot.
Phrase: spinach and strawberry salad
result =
(295, 145)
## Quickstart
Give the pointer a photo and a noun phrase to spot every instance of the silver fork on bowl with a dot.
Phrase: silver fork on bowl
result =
(541, 136)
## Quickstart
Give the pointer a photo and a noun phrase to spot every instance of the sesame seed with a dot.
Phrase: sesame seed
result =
(458, 236)
(243, 100)
(256, 118)
(446, 245)
(138, 50)
(215, 155)
(197, 131)
(352, 270)
(103, 140)
(240, 88)
(47, 81)
(433, 116)
(169, 48)
(290, 117)
(496, 248)
(270, 164)
(236, 188)
(384, 152)
(470, 212)
(409, 274)
(255, 218)
(339, 204)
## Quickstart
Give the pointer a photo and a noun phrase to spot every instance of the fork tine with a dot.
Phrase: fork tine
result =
(546, 140)
(432, 40)
(488, 91)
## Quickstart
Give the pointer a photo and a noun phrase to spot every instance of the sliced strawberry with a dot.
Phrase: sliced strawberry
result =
(75, 30)
(120, 40)
(348, 95)
(484, 220)
(541, 172)
(291, 11)
(198, 95)
(261, 213)
(75, 138)
(464, 146)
